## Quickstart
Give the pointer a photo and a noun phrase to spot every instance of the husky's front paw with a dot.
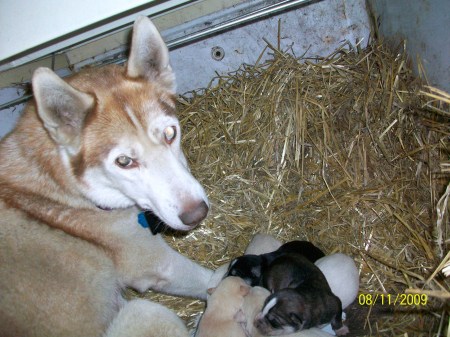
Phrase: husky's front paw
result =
(217, 276)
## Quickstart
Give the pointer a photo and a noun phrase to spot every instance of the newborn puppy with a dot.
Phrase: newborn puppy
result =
(342, 276)
(305, 248)
(259, 244)
(293, 271)
(158, 319)
(253, 304)
(288, 311)
(301, 298)
(251, 267)
(222, 308)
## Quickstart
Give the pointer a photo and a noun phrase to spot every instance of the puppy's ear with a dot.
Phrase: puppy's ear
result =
(244, 289)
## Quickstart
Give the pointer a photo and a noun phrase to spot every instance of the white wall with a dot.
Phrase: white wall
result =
(32, 29)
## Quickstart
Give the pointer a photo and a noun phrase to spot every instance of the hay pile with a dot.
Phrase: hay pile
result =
(344, 151)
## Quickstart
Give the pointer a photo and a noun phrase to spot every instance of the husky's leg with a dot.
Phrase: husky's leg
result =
(179, 275)
(142, 318)
(148, 261)
(142, 260)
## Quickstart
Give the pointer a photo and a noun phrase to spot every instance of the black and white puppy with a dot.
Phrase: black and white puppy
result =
(301, 298)
(251, 267)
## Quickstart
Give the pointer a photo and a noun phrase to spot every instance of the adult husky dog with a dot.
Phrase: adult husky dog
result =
(86, 156)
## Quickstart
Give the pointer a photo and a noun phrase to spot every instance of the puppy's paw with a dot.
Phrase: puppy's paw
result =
(343, 330)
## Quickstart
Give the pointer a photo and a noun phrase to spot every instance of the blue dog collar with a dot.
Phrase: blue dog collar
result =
(142, 220)
(149, 220)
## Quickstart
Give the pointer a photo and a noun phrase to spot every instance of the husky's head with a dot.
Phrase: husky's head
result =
(118, 134)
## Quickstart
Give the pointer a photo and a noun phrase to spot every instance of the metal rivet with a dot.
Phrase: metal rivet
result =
(217, 53)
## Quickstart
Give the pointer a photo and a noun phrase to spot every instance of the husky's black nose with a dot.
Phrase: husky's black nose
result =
(194, 214)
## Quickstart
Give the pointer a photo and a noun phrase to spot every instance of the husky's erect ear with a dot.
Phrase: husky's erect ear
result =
(149, 56)
(61, 107)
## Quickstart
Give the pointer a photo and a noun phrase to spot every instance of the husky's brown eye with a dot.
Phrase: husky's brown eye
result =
(170, 134)
(125, 162)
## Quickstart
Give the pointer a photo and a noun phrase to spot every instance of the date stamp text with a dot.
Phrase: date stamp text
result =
(393, 299)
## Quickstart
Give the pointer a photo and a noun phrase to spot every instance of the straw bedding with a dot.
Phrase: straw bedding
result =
(349, 152)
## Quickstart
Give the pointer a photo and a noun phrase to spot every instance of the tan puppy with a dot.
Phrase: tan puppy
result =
(253, 304)
(223, 307)
(156, 321)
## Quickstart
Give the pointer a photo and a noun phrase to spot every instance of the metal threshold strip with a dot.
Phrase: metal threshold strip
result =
(221, 27)
(257, 14)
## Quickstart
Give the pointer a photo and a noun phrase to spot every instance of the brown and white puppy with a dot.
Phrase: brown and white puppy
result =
(252, 267)
(223, 307)
(301, 298)
(253, 304)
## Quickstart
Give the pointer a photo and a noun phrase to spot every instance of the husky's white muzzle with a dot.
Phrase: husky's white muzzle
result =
(158, 180)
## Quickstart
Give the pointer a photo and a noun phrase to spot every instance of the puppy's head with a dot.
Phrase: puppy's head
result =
(284, 312)
(228, 296)
(247, 267)
(253, 303)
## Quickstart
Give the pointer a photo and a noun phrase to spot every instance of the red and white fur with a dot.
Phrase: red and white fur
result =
(88, 154)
